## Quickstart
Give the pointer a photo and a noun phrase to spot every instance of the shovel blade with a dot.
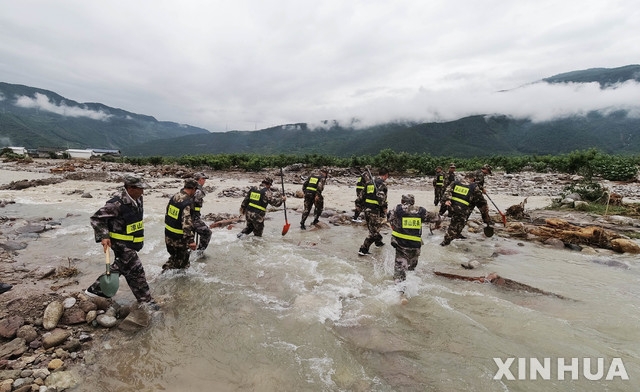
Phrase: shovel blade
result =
(285, 229)
(488, 231)
(109, 284)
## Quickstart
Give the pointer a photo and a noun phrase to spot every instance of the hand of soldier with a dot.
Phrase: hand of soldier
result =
(106, 244)
(448, 203)
(193, 246)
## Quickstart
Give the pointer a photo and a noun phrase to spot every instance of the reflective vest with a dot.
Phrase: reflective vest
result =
(173, 217)
(370, 197)
(462, 193)
(409, 234)
(360, 184)
(132, 232)
(198, 202)
(311, 185)
(440, 179)
(257, 199)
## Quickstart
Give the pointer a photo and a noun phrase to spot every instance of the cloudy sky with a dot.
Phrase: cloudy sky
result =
(250, 64)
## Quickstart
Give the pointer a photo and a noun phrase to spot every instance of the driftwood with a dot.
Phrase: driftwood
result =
(497, 280)
(572, 234)
(225, 222)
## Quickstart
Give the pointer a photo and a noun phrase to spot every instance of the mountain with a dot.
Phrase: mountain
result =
(31, 117)
(606, 77)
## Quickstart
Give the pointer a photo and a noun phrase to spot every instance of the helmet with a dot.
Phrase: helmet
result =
(408, 199)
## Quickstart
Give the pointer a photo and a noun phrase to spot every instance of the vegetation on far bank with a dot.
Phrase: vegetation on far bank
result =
(587, 163)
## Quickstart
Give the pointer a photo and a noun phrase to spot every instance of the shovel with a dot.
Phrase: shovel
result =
(488, 231)
(109, 282)
(286, 226)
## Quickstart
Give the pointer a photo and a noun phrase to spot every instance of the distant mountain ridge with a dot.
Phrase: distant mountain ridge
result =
(32, 117)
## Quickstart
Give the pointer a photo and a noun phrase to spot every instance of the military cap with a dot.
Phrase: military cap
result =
(200, 175)
(487, 168)
(267, 181)
(190, 183)
(452, 165)
(134, 181)
(408, 199)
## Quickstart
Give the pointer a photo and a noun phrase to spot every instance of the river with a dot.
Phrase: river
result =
(304, 312)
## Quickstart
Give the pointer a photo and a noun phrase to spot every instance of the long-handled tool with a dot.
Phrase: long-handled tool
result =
(110, 281)
(284, 203)
(504, 217)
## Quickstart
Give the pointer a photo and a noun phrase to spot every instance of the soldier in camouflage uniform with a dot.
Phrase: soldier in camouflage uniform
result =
(118, 225)
(406, 222)
(254, 206)
(438, 186)
(179, 232)
(479, 176)
(462, 196)
(448, 179)
(201, 228)
(312, 188)
(375, 202)
(362, 181)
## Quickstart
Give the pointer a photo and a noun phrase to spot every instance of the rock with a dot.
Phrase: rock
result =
(567, 202)
(101, 303)
(624, 245)
(581, 205)
(44, 272)
(86, 195)
(62, 380)
(554, 242)
(41, 373)
(10, 325)
(52, 315)
(14, 348)
(5, 386)
(136, 320)
(28, 333)
(12, 245)
(91, 315)
(55, 364)
(68, 302)
(87, 306)
(106, 321)
(31, 228)
(72, 316)
(55, 338)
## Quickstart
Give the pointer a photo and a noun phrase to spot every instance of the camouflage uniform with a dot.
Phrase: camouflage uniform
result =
(200, 227)
(120, 220)
(375, 202)
(406, 221)
(478, 178)
(255, 205)
(312, 188)
(438, 186)
(464, 197)
(363, 180)
(179, 231)
(449, 177)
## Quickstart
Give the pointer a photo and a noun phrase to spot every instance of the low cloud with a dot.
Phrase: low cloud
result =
(537, 101)
(42, 102)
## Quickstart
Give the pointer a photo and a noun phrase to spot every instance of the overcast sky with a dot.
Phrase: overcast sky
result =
(251, 64)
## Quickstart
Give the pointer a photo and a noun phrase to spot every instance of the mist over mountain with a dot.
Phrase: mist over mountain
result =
(33, 118)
